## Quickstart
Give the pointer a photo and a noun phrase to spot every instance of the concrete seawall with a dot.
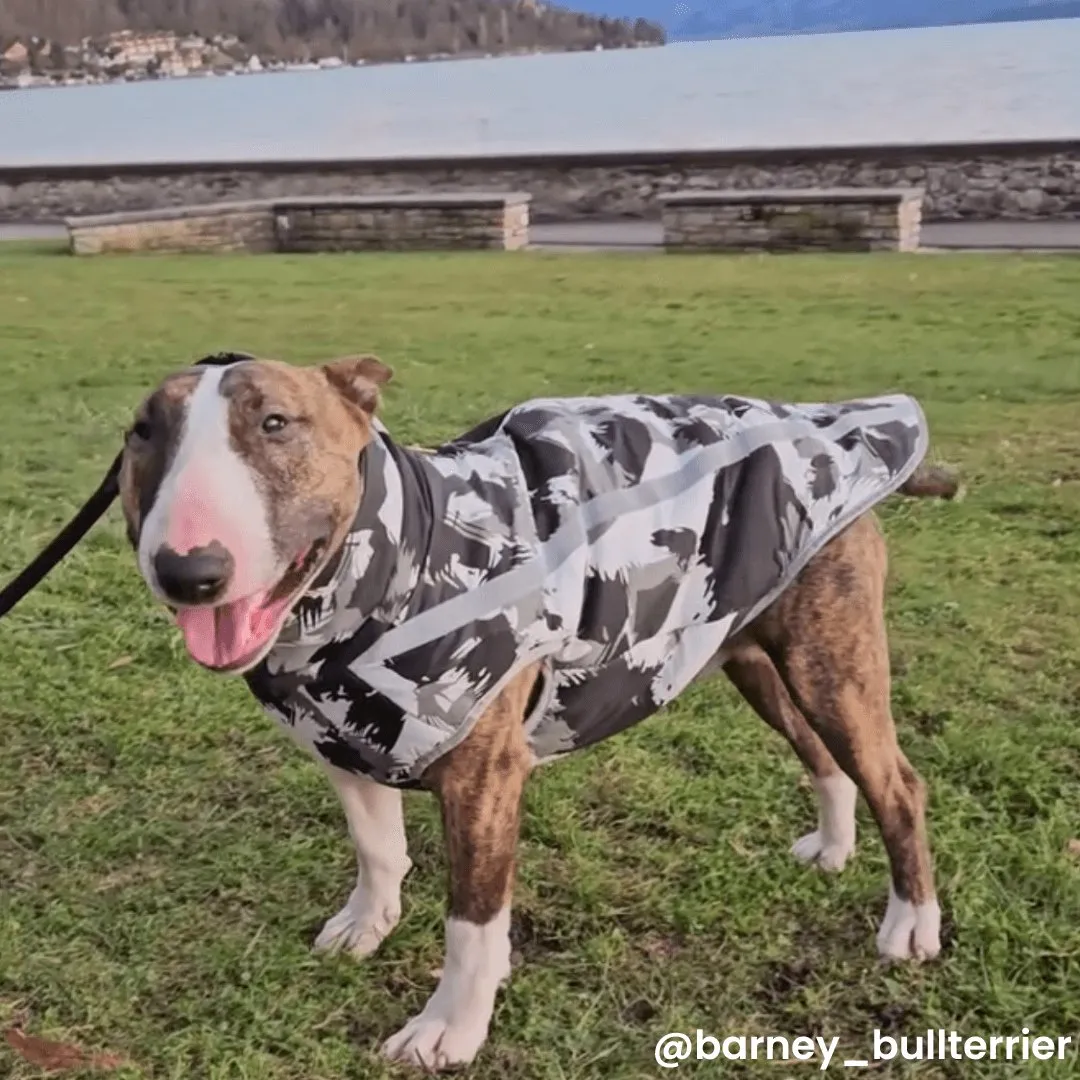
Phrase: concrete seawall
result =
(986, 182)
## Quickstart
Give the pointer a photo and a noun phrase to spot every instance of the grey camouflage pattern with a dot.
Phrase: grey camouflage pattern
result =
(620, 541)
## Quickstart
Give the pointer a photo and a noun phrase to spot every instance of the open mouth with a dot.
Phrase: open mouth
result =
(235, 636)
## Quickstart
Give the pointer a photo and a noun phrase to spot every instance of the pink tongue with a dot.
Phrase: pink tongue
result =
(225, 636)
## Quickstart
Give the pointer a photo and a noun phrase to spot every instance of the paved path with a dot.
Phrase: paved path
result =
(972, 235)
(32, 232)
(646, 236)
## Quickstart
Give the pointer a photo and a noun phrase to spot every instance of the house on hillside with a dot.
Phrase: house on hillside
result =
(128, 48)
(189, 52)
(15, 54)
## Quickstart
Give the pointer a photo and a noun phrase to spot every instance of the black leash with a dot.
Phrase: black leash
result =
(88, 514)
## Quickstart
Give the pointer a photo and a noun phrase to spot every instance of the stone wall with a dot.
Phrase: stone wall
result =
(342, 225)
(233, 227)
(1017, 182)
(470, 221)
(775, 220)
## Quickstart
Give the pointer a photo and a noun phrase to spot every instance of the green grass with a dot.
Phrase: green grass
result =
(167, 855)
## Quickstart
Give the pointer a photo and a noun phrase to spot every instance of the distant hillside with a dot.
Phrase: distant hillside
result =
(302, 30)
(1068, 9)
(697, 19)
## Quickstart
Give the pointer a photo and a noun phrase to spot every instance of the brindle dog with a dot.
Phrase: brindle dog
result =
(252, 470)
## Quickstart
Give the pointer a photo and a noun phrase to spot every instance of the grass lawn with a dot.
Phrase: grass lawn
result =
(167, 855)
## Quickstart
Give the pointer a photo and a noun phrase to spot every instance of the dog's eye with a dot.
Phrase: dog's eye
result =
(274, 423)
(141, 430)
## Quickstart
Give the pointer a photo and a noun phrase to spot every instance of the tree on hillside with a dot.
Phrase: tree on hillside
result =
(352, 29)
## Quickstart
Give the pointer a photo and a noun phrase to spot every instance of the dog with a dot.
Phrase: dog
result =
(449, 619)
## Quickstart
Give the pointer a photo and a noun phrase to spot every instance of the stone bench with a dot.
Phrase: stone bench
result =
(427, 222)
(415, 222)
(237, 226)
(779, 220)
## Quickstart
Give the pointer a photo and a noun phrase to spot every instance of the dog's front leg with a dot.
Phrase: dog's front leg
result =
(479, 784)
(377, 827)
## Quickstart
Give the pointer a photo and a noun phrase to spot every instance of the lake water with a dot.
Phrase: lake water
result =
(1009, 82)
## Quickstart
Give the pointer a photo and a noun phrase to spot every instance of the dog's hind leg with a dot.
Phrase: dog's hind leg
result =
(827, 637)
(377, 827)
(754, 674)
(479, 784)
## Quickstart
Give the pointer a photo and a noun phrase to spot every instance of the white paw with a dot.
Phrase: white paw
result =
(909, 931)
(433, 1041)
(830, 845)
(359, 927)
(454, 1023)
(813, 848)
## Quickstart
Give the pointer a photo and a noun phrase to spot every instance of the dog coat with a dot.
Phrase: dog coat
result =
(617, 541)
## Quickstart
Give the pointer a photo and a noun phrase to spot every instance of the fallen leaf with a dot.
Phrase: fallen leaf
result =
(121, 661)
(56, 1056)
(660, 948)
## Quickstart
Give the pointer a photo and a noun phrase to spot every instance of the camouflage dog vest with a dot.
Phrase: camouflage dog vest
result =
(617, 541)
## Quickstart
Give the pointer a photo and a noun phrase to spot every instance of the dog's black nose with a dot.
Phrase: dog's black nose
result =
(199, 577)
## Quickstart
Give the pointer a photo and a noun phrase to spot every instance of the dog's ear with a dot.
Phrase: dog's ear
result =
(357, 379)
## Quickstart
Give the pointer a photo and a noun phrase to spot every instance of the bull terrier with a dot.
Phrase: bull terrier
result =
(449, 619)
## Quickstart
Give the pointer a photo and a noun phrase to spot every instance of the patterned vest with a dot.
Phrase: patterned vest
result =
(619, 541)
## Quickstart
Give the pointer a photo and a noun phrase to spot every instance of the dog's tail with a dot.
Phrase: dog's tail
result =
(932, 482)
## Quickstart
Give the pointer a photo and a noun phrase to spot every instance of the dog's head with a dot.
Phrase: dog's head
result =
(238, 484)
